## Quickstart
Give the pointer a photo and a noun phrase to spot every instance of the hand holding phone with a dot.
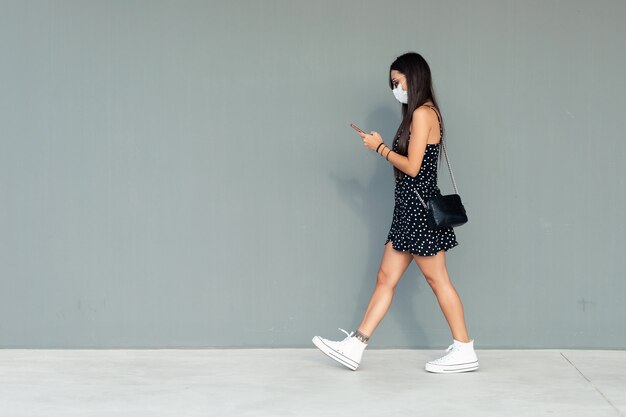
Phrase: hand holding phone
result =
(355, 127)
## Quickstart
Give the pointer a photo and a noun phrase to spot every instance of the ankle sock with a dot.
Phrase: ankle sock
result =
(361, 336)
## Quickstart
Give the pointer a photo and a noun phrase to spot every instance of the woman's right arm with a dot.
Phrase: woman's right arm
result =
(420, 130)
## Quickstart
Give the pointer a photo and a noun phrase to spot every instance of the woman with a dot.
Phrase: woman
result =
(415, 168)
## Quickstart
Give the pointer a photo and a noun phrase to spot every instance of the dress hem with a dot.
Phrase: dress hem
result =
(444, 248)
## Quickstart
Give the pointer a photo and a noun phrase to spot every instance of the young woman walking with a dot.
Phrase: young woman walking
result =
(410, 239)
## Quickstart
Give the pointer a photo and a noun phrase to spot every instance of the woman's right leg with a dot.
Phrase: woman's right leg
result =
(392, 266)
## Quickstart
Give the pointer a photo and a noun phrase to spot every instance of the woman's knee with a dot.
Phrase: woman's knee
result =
(434, 269)
(438, 279)
(385, 279)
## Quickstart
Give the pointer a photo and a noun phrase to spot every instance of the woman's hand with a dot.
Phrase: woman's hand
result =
(372, 140)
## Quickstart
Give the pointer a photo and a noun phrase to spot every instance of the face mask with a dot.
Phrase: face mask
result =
(401, 95)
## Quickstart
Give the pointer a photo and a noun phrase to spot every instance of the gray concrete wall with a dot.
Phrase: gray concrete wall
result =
(183, 173)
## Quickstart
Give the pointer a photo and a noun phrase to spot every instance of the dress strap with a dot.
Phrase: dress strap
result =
(439, 119)
(444, 152)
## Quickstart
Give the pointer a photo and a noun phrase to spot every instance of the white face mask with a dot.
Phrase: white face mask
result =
(401, 95)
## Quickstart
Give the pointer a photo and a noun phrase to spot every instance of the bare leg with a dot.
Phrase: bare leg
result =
(392, 266)
(434, 270)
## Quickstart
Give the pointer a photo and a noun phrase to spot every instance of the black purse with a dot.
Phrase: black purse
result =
(444, 210)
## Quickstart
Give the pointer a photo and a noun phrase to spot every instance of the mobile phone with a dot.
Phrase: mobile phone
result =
(355, 127)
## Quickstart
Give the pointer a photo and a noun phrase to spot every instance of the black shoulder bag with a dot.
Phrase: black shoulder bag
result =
(444, 210)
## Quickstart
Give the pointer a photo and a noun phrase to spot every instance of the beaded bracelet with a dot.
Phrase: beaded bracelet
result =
(381, 143)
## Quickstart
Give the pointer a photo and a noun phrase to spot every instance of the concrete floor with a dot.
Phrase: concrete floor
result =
(305, 382)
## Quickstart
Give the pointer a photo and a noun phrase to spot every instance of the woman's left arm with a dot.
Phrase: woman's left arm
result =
(411, 163)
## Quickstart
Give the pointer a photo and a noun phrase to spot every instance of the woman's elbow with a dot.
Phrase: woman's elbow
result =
(413, 172)
(413, 169)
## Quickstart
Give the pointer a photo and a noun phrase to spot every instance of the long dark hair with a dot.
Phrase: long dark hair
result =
(420, 89)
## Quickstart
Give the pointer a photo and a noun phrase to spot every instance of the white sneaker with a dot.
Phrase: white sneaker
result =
(347, 352)
(460, 358)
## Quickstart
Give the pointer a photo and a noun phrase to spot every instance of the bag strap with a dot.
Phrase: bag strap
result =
(444, 152)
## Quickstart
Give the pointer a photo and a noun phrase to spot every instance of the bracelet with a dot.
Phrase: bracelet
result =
(381, 143)
(387, 157)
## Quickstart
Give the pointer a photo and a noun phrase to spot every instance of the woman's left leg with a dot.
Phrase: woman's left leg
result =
(436, 274)
(460, 356)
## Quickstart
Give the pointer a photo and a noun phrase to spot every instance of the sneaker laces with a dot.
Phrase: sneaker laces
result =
(453, 346)
(349, 335)
(451, 350)
(448, 353)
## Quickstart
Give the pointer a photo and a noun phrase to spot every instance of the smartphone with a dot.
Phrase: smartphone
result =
(355, 127)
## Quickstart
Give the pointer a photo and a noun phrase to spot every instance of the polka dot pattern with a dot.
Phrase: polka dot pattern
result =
(409, 229)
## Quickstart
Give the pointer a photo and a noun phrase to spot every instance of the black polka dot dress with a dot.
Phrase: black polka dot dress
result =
(409, 230)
